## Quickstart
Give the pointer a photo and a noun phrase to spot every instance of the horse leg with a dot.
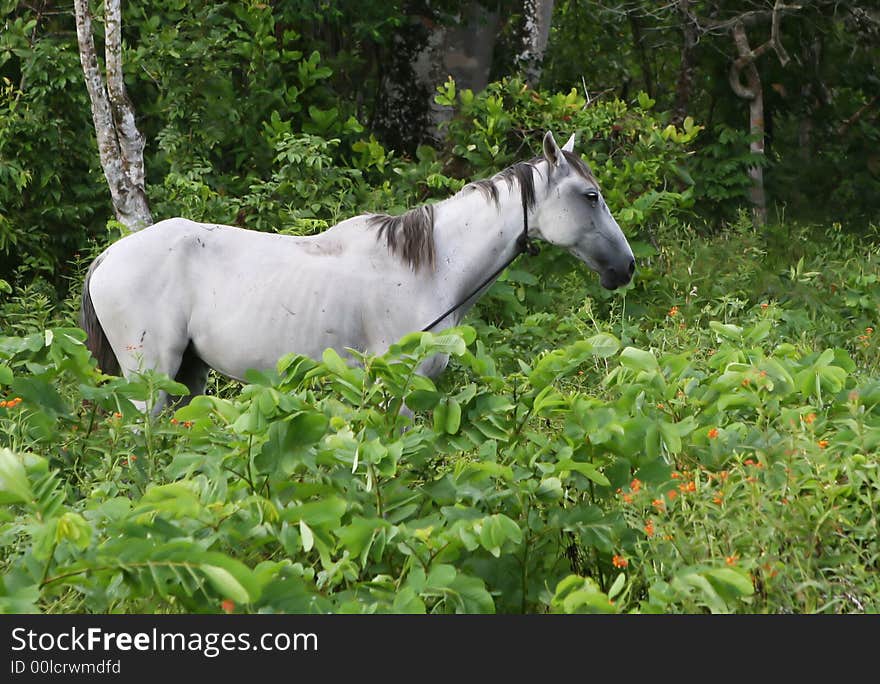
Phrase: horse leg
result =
(165, 359)
(193, 373)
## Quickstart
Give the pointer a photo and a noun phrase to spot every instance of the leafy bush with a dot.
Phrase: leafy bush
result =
(691, 457)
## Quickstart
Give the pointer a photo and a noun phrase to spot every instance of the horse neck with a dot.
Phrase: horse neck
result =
(474, 237)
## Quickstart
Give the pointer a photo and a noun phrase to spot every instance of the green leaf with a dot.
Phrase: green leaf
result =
(639, 359)
(617, 586)
(588, 470)
(472, 595)
(604, 345)
(407, 602)
(496, 530)
(422, 400)
(14, 485)
(308, 539)
(441, 576)
(225, 583)
(728, 331)
(334, 362)
(306, 427)
(453, 416)
(327, 511)
(176, 499)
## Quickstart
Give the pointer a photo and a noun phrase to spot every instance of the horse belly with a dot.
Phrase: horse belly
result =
(250, 329)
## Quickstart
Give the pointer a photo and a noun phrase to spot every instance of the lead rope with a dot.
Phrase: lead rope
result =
(523, 244)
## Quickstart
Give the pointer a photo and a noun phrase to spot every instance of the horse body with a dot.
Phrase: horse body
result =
(181, 296)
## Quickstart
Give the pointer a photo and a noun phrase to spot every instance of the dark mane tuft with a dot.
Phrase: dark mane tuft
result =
(522, 173)
(410, 235)
(580, 166)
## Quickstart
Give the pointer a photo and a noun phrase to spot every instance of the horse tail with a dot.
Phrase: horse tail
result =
(96, 338)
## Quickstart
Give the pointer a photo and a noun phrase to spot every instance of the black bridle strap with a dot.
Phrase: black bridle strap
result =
(523, 244)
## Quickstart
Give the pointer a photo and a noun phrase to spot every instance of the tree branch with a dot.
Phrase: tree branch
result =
(749, 19)
(745, 61)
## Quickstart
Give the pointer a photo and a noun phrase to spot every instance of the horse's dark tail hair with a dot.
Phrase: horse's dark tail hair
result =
(96, 339)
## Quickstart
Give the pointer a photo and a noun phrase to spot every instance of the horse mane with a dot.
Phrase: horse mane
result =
(523, 173)
(411, 235)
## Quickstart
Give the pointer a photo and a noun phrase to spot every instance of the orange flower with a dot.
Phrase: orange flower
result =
(746, 382)
(117, 415)
(619, 561)
(718, 498)
(713, 433)
(764, 305)
(673, 312)
(688, 486)
(823, 443)
(731, 560)
(187, 423)
(174, 421)
(649, 528)
(676, 475)
(635, 485)
(749, 462)
(659, 504)
(627, 498)
(227, 605)
(671, 494)
(809, 418)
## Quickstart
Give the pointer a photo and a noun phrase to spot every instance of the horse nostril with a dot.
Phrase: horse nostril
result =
(632, 267)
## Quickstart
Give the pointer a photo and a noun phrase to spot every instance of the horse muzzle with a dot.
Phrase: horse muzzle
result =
(614, 277)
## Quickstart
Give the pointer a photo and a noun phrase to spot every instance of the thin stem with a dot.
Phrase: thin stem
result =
(380, 509)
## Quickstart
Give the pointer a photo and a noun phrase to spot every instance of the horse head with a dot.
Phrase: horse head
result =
(573, 215)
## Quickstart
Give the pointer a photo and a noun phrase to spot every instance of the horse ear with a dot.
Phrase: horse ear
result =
(551, 150)
(569, 146)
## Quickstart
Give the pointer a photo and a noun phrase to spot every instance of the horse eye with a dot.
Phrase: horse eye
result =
(592, 195)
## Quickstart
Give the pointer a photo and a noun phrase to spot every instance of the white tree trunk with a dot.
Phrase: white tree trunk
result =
(538, 17)
(752, 91)
(120, 144)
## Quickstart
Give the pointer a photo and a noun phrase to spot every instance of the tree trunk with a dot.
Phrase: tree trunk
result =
(463, 51)
(538, 18)
(120, 144)
(426, 53)
(751, 90)
(684, 87)
(638, 37)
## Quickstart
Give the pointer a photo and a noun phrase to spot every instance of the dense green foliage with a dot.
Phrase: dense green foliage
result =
(704, 440)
